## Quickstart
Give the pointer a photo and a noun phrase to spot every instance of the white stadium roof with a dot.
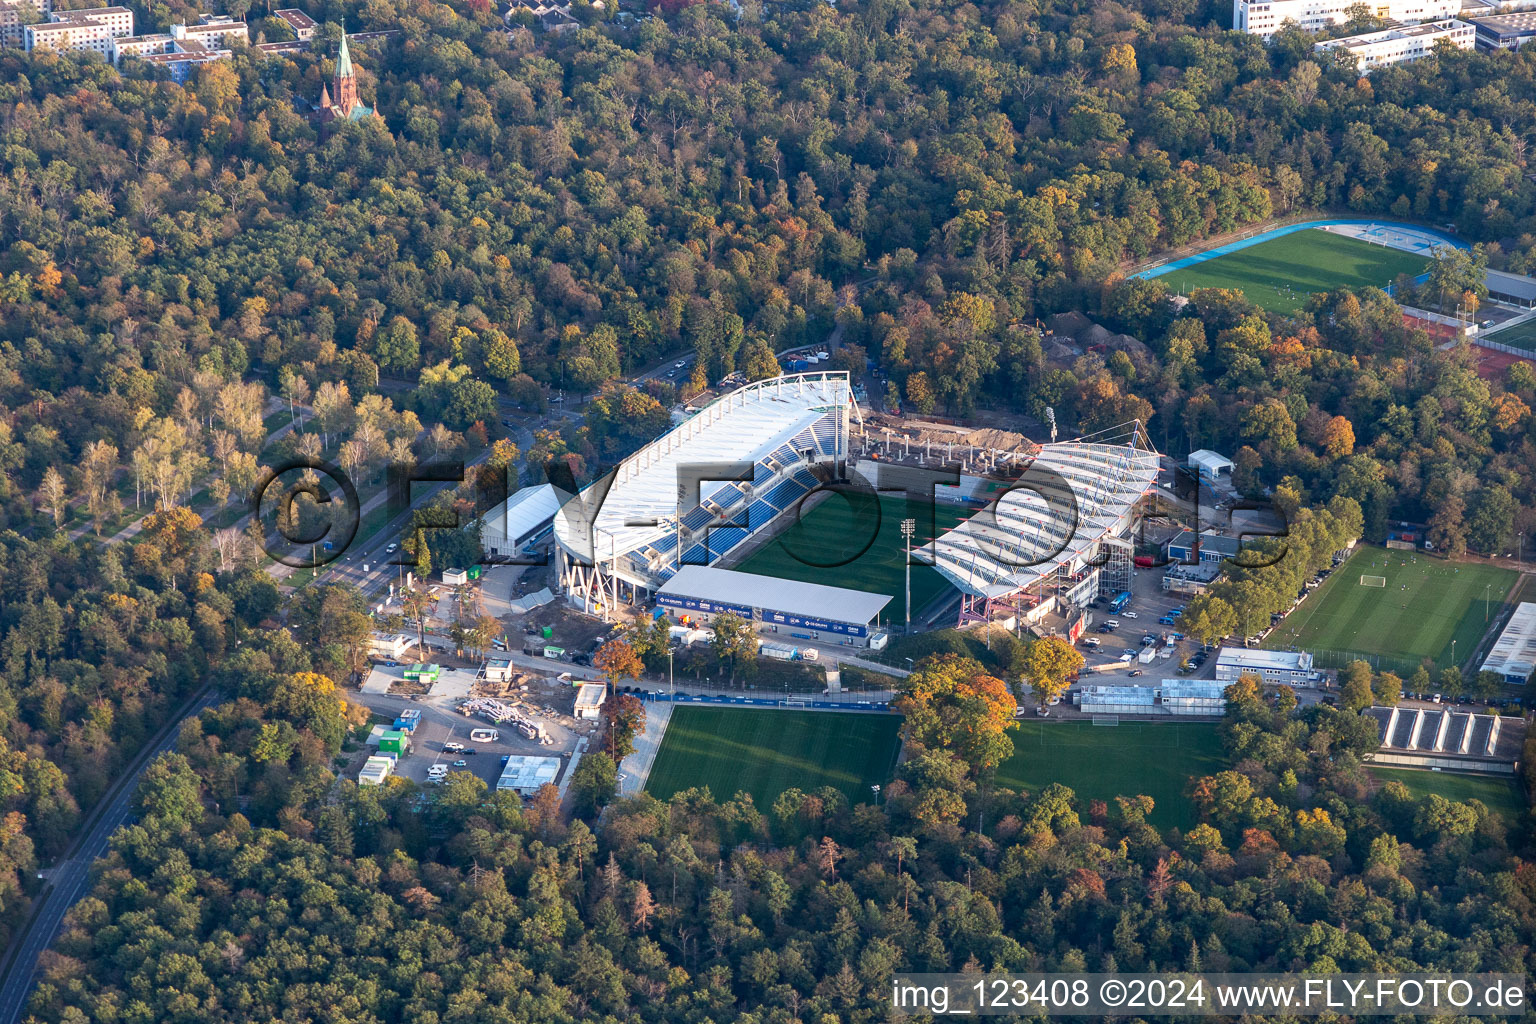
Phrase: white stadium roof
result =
(640, 506)
(1513, 654)
(521, 514)
(1026, 537)
(810, 600)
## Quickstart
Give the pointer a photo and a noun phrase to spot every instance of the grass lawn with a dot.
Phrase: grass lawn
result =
(763, 752)
(1281, 273)
(1500, 795)
(1157, 759)
(1444, 602)
(855, 541)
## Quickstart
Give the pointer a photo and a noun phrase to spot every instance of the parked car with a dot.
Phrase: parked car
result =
(1126, 659)
(1129, 615)
(461, 763)
(452, 748)
(1091, 641)
(1129, 652)
(1138, 672)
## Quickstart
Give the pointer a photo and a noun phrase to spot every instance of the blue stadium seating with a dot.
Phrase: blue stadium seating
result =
(695, 555)
(723, 538)
(826, 435)
(697, 518)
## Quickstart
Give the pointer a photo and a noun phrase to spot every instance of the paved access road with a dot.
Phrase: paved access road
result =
(70, 879)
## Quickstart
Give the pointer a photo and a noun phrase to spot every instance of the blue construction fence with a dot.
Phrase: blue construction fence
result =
(1265, 236)
(766, 702)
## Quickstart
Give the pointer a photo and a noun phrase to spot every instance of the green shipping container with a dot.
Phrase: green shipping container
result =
(474, 572)
(549, 631)
(393, 742)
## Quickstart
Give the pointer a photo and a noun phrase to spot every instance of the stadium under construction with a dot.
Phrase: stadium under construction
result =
(1052, 528)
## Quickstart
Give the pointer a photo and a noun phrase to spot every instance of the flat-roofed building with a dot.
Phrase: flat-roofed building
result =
(16, 15)
(1183, 547)
(1266, 17)
(87, 31)
(302, 24)
(216, 33)
(1513, 654)
(1505, 31)
(1170, 697)
(589, 700)
(1291, 668)
(803, 611)
(527, 775)
(1373, 50)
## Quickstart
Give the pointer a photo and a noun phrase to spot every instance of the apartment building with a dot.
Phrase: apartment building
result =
(16, 15)
(1266, 17)
(91, 31)
(1373, 50)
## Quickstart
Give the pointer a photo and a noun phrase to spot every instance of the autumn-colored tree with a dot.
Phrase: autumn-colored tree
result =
(952, 703)
(1049, 665)
(616, 660)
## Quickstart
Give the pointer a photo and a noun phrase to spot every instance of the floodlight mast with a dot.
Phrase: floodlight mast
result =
(908, 528)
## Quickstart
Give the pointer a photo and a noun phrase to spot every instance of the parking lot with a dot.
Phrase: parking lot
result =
(1149, 603)
(441, 724)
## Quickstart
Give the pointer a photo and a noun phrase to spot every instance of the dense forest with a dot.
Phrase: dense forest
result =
(322, 900)
(197, 282)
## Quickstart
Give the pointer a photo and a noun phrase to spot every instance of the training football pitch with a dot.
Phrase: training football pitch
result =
(1499, 794)
(1425, 604)
(1279, 275)
(855, 541)
(762, 752)
(1155, 759)
(1521, 336)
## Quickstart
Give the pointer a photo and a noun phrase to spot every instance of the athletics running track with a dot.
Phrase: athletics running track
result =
(1407, 237)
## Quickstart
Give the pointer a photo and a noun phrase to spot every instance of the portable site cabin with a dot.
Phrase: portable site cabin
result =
(395, 741)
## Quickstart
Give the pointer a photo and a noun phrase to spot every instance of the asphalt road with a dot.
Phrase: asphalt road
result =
(70, 879)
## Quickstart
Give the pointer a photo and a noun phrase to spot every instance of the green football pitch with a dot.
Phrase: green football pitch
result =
(1522, 336)
(1424, 604)
(855, 541)
(763, 752)
(1279, 275)
(1155, 759)
(1499, 794)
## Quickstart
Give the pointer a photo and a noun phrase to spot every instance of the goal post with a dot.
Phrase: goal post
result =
(1373, 581)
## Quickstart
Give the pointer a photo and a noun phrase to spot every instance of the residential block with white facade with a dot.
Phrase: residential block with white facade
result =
(91, 30)
(1266, 17)
(1373, 50)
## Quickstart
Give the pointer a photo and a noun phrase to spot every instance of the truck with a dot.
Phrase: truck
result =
(484, 735)
(778, 651)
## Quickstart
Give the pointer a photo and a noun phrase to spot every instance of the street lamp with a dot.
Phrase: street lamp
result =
(876, 789)
(671, 682)
(908, 528)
